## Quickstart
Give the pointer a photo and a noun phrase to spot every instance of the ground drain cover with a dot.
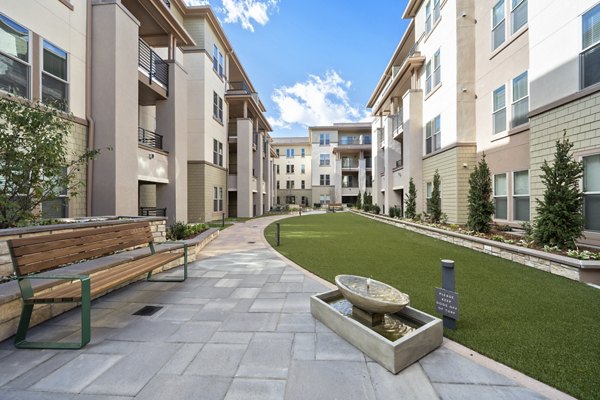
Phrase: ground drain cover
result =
(147, 310)
(251, 242)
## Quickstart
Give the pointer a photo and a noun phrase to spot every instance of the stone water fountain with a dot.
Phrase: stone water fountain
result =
(377, 319)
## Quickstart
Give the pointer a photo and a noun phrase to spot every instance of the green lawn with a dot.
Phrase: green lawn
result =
(543, 325)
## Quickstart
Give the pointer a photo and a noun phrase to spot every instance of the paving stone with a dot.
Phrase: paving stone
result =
(327, 379)
(216, 310)
(10, 394)
(75, 375)
(282, 287)
(100, 397)
(296, 323)
(245, 293)
(210, 292)
(297, 303)
(176, 387)
(267, 305)
(254, 281)
(181, 359)
(267, 356)
(250, 322)
(228, 283)
(194, 332)
(145, 330)
(19, 362)
(243, 305)
(332, 347)
(273, 278)
(214, 274)
(178, 313)
(445, 366)
(217, 360)
(134, 371)
(286, 278)
(411, 383)
(476, 392)
(231, 337)
(256, 389)
(41, 371)
(263, 295)
(304, 346)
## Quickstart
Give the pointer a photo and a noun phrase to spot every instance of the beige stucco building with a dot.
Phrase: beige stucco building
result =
(500, 78)
(293, 170)
(161, 69)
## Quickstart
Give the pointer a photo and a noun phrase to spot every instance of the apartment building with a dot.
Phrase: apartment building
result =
(293, 167)
(341, 162)
(511, 76)
(155, 67)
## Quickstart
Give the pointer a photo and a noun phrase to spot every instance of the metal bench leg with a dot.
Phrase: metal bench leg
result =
(173, 279)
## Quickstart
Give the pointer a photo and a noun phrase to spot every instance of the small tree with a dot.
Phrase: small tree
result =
(434, 204)
(358, 201)
(481, 207)
(411, 200)
(559, 220)
(35, 165)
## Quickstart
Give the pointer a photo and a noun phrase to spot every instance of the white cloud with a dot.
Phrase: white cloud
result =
(197, 2)
(248, 12)
(320, 100)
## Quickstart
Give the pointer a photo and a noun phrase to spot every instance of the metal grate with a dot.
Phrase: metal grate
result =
(147, 310)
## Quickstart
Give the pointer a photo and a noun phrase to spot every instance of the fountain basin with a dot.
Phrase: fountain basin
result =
(394, 355)
(378, 298)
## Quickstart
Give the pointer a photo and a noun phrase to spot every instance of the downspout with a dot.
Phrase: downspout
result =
(88, 106)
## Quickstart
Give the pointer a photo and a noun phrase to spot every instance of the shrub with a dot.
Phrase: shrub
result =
(481, 207)
(434, 204)
(376, 209)
(358, 201)
(411, 200)
(180, 230)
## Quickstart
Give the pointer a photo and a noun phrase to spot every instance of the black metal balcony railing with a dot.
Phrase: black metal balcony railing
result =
(149, 138)
(239, 85)
(150, 62)
(153, 212)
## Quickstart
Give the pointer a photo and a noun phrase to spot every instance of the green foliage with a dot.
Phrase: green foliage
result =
(559, 220)
(434, 204)
(376, 209)
(180, 230)
(367, 202)
(35, 165)
(411, 200)
(358, 201)
(481, 207)
(395, 212)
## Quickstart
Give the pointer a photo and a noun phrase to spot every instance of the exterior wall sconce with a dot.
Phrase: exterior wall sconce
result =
(151, 156)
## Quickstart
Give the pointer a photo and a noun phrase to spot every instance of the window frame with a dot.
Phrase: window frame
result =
(513, 11)
(302, 184)
(499, 196)
(428, 193)
(496, 112)
(428, 85)
(215, 59)
(516, 196)
(437, 14)
(433, 138)
(428, 17)
(324, 139)
(217, 107)
(325, 180)
(514, 102)
(501, 24)
(587, 192)
(324, 160)
(28, 63)
(437, 69)
(590, 48)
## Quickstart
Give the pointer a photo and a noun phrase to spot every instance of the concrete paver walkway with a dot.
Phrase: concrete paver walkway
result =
(239, 328)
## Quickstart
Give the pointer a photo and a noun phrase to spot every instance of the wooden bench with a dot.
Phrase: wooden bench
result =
(335, 207)
(37, 258)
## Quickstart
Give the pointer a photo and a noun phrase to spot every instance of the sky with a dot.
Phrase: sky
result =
(312, 62)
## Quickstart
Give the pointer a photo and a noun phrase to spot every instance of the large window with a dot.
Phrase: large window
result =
(518, 14)
(14, 58)
(324, 139)
(217, 199)
(433, 72)
(428, 17)
(499, 110)
(302, 152)
(217, 153)
(303, 184)
(289, 184)
(289, 153)
(521, 196)
(428, 77)
(217, 60)
(500, 197)
(289, 169)
(290, 199)
(324, 180)
(324, 159)
(217, 107)
(591, 192)
(54, 77)
(436, 10)
(498, 25)
(325, 199)
(433, 135)
(590, 55)
(520, 100)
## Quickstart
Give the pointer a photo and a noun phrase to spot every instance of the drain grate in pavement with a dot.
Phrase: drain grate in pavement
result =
(251, 242)
(147, 310)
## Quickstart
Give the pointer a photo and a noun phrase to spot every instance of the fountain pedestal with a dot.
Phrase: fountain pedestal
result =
(368, 318)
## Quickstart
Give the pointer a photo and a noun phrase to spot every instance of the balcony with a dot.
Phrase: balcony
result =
(241, 88)
(397, 124)
(380, 137)
(153, 75)
(349, 164)
(399, 164)
(353, 143)
(151, 139)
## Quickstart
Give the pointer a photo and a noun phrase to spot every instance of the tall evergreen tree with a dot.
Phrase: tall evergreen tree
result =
(411, 200)
(358, 201)
(559, 220)
(481, 206)
(434, 204)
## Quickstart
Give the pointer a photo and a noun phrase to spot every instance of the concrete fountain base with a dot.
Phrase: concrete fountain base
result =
(394, 356)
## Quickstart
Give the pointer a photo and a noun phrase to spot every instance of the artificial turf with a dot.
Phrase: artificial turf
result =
(543, 325)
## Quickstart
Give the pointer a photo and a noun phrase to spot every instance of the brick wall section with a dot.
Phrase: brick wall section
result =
(77, 144)
(454, 180)
(580, 118)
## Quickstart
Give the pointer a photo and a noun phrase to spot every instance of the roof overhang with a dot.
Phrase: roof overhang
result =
(411, 8)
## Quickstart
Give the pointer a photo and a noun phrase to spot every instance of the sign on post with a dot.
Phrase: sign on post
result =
(446, 303)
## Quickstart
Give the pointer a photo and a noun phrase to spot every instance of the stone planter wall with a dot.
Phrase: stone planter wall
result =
(10, 298)
(579, 270)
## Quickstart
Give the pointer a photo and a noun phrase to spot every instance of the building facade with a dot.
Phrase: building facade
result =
(501, 78)
(161, 69)
(341, 162)
(293, 171)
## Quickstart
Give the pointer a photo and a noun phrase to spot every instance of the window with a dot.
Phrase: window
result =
(14, 58)
(325, 199)
(220, 64)
(54, 77)
(498, 25)
(433, 135)
(435, 64)
(289, 153)
(277, 151)
(428, 195)
(428, 77)
(289, 169)
(59, 206)
(278, 187)
(217, 153)
(521, 196)
(221, 199)
(589, 58)
(436, 10)
(277, 169)
(518, 14)
(304, 200)
(302, 169)
(500, 197)
(302, 184)
(348, 181)
(499, 110)
(217, 199)
(215, 59)
(289, 184)
(324, 159)
(290, 199)
(324, 139)
(520, 96)
(324, 180)
(428, 17)
(367, 139)
(217, 107)
(302, 153)
(591, 192)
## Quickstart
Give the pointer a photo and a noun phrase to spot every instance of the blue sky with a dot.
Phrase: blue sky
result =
(313, 62)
